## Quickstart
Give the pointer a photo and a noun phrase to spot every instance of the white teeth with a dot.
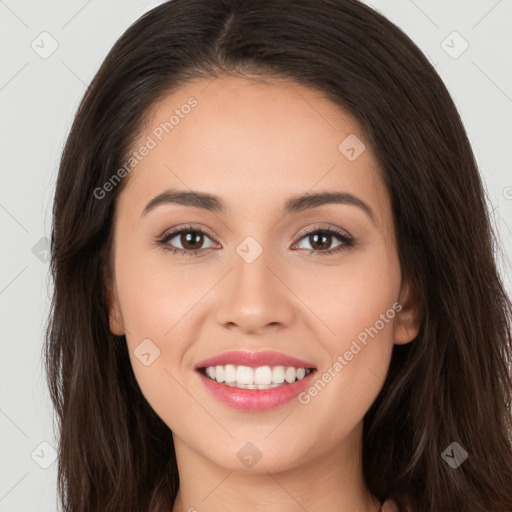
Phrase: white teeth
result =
(278, 374)
(290, 374)
(244, 375)
(230, 373)
(252, 386)
(219, 373)
(262, 377)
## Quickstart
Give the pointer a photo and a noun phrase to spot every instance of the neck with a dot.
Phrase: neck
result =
(330, 481)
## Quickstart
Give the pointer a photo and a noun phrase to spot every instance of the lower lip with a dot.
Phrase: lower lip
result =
(255, 399)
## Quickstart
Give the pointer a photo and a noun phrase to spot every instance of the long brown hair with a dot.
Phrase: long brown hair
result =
(451, 384)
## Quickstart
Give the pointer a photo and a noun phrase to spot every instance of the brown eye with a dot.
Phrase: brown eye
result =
(320, 241)
(191, 240)
(185, 241)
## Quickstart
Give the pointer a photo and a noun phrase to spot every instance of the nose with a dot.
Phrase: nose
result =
(255, 296)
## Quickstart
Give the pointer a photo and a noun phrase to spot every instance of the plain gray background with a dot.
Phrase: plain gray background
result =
(39, 93)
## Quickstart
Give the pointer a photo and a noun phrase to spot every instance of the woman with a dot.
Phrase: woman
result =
(274, 276)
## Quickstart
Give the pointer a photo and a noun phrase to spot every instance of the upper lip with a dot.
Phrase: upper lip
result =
(253, 359)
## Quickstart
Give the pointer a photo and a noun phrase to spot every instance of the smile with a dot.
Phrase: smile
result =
(262, 377)
(254, 381)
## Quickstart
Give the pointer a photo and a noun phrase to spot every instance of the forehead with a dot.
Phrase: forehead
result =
(251, 141)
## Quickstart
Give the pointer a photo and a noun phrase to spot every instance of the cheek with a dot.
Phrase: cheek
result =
(154, 302)
(160, 300)
(155, 293)
(358, 305)
(352, 296)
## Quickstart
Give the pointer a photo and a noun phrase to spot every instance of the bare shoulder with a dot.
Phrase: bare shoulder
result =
(390, 505)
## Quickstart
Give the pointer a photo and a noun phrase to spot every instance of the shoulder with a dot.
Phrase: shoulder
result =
(390, 505)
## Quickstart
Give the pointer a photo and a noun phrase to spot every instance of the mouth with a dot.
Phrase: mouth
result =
(261, 377)
(255, 381)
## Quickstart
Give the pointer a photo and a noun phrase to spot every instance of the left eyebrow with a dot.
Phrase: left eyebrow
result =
(314, 200)
(293, 205)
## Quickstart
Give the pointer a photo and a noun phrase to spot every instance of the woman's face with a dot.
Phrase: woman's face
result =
(266, 278)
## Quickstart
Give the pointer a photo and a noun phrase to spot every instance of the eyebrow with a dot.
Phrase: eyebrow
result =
(293, 205)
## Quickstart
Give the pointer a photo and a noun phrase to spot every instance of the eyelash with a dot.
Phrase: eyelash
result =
(347, 241)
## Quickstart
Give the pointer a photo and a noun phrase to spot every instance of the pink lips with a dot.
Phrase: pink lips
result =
(254, 359)
(254, 399)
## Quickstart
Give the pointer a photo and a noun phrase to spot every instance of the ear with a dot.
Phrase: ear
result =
(114, 311)
(408, 319)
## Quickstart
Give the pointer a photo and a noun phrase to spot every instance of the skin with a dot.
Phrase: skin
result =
(255, 145)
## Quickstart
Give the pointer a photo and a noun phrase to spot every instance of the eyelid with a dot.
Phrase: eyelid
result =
(186, 227)
(326, 227)
(199, 227)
